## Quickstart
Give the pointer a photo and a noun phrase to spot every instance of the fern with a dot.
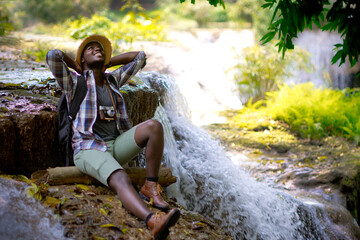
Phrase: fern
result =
(315, 112)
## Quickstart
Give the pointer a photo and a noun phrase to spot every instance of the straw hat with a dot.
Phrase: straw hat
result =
(104, 42)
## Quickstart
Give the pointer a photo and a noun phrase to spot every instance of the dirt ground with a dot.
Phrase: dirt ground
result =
(94, 212)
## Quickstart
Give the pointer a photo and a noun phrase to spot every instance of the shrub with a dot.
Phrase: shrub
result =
(5, 25)
(131, 28)
(314, 112)
(54, 11)
(262, 69)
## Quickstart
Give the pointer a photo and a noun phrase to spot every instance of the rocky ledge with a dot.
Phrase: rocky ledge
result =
(28, 126)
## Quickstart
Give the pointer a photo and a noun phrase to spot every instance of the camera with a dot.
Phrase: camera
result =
(106, 113)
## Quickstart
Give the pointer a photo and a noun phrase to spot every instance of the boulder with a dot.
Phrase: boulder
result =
(28, 124)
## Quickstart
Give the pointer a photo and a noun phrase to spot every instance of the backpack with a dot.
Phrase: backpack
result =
(65, 118)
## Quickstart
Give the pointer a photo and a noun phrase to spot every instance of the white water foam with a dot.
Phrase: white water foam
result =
(25, 218)
(210, 183)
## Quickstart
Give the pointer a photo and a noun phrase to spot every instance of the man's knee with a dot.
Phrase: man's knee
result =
(118, 179)
(154, 126)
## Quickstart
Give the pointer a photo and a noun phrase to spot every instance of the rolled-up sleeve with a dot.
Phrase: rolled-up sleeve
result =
(60, 70)
(126, 72)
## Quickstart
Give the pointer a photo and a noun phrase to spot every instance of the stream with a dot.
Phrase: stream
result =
(212, 184)
(23, 217)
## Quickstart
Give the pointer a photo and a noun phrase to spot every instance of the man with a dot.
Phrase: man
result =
(103, 137)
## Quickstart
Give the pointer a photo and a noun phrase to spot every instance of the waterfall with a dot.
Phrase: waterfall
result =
(320, 45)
(25, 218)
(211, 184)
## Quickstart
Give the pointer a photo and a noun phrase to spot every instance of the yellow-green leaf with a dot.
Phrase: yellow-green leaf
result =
(322, 158)
(9, 98)
(106, 205)
(103, 211)
(23, 178)
(82, 186)
(107, 225)
(63, 200)
(124, 230)
(52, 201)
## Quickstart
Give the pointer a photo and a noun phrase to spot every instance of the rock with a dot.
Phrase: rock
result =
(29, 123)
(141, 102)
(7, 146)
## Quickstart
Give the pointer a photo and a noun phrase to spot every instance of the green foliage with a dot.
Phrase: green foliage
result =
(262, 69)
(251, 11)
(315, 113)
(293, 16)
(37, 51)
(245, 13)
(211, 2)
(5, 25)
(54, 11)
(133, 27)
(202, 13)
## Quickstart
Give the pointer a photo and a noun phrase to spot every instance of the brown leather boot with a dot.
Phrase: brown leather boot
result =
(159, 223)
(153, 190)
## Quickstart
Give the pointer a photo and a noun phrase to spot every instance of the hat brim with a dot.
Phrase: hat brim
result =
(104, 41)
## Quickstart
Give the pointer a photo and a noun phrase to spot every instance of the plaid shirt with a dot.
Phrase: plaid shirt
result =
(84, 137)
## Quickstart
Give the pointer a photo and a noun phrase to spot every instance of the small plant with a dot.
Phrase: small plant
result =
(5, 25)
(262, 70)
(37, 51)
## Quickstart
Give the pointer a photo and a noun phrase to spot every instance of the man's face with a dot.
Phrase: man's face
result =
(93, 55)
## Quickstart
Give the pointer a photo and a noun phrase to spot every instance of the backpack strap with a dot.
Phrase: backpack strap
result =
(80, 93)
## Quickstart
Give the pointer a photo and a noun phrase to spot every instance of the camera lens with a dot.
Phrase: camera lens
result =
(110, 112)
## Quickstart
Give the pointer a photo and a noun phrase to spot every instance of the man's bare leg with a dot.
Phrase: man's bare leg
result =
(121, 183)
(150, 134)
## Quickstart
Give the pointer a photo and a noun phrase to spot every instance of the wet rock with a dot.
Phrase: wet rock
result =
(141, 102)
(28, 124)
(7, 146)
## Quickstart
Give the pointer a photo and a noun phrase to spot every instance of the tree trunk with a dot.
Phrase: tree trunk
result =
(71, 175)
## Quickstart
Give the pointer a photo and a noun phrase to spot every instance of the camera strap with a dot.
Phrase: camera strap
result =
(111, 96)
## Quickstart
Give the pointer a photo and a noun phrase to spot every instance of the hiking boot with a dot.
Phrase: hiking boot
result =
(153, 190)
(159, 223)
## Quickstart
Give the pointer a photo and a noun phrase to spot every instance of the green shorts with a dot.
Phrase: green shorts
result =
(101, 165)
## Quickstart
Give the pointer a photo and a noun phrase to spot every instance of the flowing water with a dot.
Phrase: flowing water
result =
(320, 45)
(25, 218)
(210, 183)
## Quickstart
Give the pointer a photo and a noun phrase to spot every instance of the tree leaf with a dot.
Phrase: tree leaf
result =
(82, 186)
(103, 211)
(52, 201)
(109, 225)
(268, 37)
